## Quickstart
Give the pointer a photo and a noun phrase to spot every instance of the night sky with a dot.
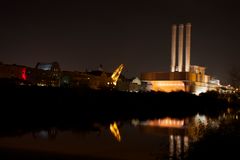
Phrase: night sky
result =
(81, 35)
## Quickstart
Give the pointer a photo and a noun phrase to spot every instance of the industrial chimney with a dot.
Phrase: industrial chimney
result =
(180, 48)
(180, 45)
(173, 49)
(188, 47)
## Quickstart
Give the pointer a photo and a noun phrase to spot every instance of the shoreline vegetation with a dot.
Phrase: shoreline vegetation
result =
(23, 104)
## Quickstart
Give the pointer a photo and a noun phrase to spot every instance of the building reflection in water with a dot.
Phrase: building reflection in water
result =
(178, 146)
(164, 138)
(178, 140)
(45, 134)
(171, 146)
(186, 144)
(166, 122)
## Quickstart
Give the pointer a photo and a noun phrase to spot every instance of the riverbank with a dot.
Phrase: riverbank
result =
(51, 106)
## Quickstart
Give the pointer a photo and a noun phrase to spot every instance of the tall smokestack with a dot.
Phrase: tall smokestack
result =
(173, 50)
(188, 47)
(180, 47)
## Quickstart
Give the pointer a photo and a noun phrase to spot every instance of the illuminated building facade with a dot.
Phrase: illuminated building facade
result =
(46, 74)
(188, 78)
(50, 75)
(12, 71)
(94, 79)
(193, 81)
(17, 73)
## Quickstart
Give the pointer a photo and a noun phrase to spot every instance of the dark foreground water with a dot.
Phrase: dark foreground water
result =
(149, 139)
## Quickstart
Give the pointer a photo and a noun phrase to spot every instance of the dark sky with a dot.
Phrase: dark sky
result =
(83, 34)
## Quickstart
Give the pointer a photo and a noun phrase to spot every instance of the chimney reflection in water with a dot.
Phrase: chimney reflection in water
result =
(178, 146)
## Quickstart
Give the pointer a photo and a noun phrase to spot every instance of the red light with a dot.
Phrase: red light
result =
(24, 76)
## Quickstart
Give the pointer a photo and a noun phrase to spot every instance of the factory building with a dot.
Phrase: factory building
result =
(95, 79)
(46, 74)
(182, 77)
(13, 74)
(50, 75)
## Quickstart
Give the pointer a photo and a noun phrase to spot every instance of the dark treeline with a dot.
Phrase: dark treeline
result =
(65, 106)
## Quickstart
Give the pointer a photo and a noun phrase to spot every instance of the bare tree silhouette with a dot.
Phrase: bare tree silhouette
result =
(234, 75)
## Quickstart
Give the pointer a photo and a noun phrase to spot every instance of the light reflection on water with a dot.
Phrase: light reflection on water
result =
(164, 138)
(115, 131)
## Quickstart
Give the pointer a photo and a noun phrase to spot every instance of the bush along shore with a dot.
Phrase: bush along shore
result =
(36, 105)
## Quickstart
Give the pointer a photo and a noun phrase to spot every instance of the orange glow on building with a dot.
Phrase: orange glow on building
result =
(115, 131)
(168, 86)
(182, 77)
(166, 122)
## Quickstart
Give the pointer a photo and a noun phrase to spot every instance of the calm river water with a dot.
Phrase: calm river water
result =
(159, 138)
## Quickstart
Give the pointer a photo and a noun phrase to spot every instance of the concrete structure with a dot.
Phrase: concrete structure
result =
(46, 74)
(135, 85)
(13, 71)
(14, 74)
(188, 47)
(173, 51)
(94, 79)
(181, 43)
(50, 75)
(181, 78)
(194, 81)
(180, 48)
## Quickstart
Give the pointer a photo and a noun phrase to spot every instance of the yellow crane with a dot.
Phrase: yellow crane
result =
(116, 74)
